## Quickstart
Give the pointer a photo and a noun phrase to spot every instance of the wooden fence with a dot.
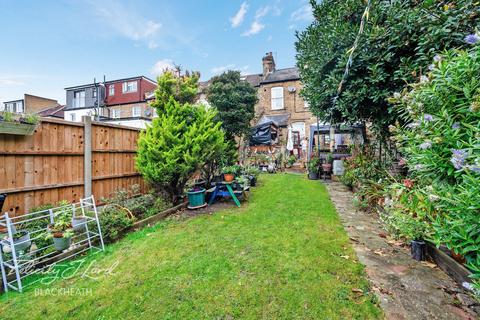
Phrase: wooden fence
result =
(66, 161)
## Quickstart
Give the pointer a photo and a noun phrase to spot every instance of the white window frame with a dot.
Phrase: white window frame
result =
(111, 90)
(73, 117)
(79, 102)
(129, 86)
(136, 114)
(277, 100)
(116, 113)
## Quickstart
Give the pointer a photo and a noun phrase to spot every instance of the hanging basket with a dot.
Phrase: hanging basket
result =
(22, 129)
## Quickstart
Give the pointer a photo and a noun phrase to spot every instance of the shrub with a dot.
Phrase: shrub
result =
(314, 165)
(178, 143)
(140, 205)
(114, 222)
(440, 144)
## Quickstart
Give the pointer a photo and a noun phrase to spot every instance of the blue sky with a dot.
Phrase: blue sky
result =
(52, 44)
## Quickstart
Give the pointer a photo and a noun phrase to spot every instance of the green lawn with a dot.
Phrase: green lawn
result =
(284, 255)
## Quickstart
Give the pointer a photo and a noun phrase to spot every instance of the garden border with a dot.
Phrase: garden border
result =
(135, 227)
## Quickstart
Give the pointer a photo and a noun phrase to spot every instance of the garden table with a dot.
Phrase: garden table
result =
(224, 189)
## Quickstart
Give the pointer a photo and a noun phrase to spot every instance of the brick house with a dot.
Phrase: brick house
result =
(279, 101)
(29, 104)
(122, 101)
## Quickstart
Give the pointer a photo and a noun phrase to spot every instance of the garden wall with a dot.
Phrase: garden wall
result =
(66, 160)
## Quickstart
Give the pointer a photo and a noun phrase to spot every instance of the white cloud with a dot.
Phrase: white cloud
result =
(127, 22)
(255, 28)
(11, 82)
(303, 13)
(262, 12)
(218, 70)
(238, 18)
(161, 66)
(222, 69)
(269, 38)
(257, 24)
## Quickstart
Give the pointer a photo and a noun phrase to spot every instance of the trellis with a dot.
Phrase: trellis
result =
(20, 258)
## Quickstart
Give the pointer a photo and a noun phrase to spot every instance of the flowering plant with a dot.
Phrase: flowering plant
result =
(440, 140)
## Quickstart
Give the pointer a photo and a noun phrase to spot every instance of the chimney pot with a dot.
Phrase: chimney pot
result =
(268, 64)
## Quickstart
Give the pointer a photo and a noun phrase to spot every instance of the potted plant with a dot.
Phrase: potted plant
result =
(241, 183)
(196, 196)
(12, 124)
(61, 231)
(416, 230)
(291, 160)
(327, 166)
(21, 242)
(252, 174)
(229, 173)
(313, 166)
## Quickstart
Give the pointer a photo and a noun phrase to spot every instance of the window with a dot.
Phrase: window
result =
(73, 117)
(79, 99)
(277, 98)
(16, 107)
(130, 86)
(111, 90)
(116, 113)
(95, 92)
(136, 111)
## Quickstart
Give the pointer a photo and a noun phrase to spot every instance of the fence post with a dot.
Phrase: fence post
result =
(87, 156)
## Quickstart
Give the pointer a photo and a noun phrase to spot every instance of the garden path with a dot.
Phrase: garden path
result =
(407, 289)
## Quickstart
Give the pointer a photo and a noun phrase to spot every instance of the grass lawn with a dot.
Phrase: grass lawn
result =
(284, 255)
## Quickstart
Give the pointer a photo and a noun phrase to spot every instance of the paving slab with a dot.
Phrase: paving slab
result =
(406, 289)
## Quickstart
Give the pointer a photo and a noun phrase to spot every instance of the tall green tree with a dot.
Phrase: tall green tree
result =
(181, 141)
(400, 41)
(235, 102)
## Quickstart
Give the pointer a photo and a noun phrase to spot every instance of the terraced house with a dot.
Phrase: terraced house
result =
(279, 102)
(122, 101)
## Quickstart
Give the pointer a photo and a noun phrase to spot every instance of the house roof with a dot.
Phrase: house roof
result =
(253, 79)
(56, 112)
(281, 75)
(112, 81)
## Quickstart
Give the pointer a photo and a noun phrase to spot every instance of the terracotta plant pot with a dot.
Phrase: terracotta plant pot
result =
(327, 167)
(228, 177)
(458, 257)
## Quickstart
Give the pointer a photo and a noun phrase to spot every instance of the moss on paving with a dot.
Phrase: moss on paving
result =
(284, 255)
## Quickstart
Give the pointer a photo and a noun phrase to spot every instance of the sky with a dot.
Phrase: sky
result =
(48, 45)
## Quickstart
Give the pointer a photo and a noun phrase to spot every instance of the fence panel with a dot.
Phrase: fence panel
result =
(48, 166)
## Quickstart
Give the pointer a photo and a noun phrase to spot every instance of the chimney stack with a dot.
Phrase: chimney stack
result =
(268, 64)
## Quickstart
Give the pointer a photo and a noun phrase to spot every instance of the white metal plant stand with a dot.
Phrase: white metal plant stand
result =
(24, 250)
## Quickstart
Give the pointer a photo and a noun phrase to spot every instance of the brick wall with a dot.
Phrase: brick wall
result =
(34, 104)
(293, 105)
(126, 109)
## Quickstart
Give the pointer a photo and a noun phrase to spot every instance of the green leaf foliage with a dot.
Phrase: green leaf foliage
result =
(397, 46)
(441, 144)
(235, 101)
(179, 142)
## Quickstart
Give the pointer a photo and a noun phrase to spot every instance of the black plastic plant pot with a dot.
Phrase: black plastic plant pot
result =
(313, 175)
(253, 181)
(3, 197)
(418, 250)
